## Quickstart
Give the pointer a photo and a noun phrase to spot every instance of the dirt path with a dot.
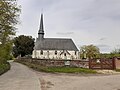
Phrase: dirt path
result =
(19, 77)
(78, 82)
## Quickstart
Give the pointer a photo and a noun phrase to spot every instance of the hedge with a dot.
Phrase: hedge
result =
(4, 67)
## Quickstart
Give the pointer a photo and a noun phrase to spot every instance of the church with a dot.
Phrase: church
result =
(54, 48)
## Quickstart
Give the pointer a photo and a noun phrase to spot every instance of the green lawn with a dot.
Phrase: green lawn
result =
(59, 69)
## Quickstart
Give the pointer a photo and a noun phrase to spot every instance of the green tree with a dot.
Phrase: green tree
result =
(23, 45)
(116, 52)
(5, 52)
(89, 51)
(106, 55)
(9, 14)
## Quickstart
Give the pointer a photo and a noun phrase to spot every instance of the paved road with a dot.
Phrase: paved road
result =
(22, 78)
(19, 78)
(78, 82)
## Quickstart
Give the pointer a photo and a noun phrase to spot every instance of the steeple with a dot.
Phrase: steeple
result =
(41, 29)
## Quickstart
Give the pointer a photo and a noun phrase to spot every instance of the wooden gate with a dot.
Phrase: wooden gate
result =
(102, 64)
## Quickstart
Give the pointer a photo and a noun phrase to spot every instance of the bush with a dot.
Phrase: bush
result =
(4, 67)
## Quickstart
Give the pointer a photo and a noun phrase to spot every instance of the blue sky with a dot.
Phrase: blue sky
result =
(85, 21)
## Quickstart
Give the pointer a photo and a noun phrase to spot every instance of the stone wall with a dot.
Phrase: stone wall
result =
(57, 63)
(61, 63)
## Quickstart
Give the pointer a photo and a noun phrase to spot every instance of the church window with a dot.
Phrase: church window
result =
(64, 54)
(55, 52)
(75, 52)
(41, 52)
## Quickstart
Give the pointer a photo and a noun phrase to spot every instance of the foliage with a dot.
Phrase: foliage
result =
(116, 55)
(116, 52)
(5, 52)
(58, 69)
(4, 68)
(117, 70)
(89, 51)
(109, 55)
(23, 45)
(106, 55)
(9, 13)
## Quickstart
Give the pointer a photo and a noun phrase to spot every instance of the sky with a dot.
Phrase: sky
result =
(87, 22)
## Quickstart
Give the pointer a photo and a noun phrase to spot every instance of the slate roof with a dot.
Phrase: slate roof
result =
(55, 44)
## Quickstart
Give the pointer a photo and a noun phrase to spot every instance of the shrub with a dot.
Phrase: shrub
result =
(4, 67)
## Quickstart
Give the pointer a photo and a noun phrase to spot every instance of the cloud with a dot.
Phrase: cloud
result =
(85, 21)
(65, 33)
(103, 46)
(102, 39)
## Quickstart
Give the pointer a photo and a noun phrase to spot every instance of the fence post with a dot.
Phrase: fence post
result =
(114, 62)
(101, 63)
(90, 61)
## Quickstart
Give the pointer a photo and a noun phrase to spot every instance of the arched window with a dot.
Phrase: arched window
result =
(41, 52)
(75, 52)
(64, 54)
(55, 52)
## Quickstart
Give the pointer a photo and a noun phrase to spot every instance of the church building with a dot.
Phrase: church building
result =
(54, 48)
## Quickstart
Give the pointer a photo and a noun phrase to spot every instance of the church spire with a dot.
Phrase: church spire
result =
(41, 29)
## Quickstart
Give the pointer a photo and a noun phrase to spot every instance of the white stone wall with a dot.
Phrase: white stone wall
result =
(50, 54)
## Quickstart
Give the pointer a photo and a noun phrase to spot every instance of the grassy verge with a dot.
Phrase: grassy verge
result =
(59, 69)
(4, 68)
(117, 70)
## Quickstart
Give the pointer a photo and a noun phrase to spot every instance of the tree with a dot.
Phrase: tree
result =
(89, 51)
(9, 13)
(5, 52)
(23, 45)
(116, 52)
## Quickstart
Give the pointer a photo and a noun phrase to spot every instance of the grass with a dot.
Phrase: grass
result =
(70, 70)
(59, 69)
(4, 67)
(117, 70)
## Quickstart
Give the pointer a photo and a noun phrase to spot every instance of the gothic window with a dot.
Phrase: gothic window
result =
(55, 52)
(41, 52)
(64, 54)
(75, 52)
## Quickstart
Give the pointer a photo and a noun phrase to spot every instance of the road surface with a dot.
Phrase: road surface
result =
(19, 77)
(78, 82)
